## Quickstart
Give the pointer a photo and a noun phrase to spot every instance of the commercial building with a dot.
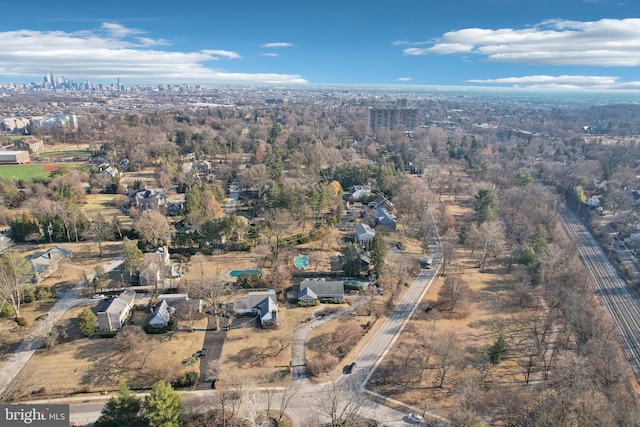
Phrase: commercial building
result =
(14, 157)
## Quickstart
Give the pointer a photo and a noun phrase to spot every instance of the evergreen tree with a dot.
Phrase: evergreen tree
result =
(87, 322)
(120, 410)
(486, 206)
(378, 254)
(498, 350)
(163, 406)
(131, 254)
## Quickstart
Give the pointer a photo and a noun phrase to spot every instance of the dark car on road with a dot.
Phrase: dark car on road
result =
(349, 368)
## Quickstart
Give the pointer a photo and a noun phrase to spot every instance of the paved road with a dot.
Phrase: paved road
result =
(21, 356)
(616, 296)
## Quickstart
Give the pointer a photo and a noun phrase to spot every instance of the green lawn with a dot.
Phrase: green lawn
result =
(24, 172)
(65, 153)
(33, 171)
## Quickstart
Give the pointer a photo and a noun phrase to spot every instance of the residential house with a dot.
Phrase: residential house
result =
(364, 233)
(381, 202)
(386, 219)
(316, 289)
(360, 191)
(161, 315)
(47, 263)
(181, 302)
(262, 303)
(156, 268)
(146, 199)
(115, 311)
(111, 172)
(337, 263)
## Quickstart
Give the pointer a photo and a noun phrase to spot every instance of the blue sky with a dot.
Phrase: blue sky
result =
(527, 43)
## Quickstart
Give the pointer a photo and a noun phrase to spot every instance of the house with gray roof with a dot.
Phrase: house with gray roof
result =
(386, 219)
(115, 311)
(364, 233)
(161, 315)
(44, 264)
(262, 303)
(316, 289)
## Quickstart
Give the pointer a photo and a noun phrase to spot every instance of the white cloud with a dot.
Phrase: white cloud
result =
(405, 79)
(116, 51)
(279, 44)
(226, 53)
(270, 54)
(562, 82)
(607, 43)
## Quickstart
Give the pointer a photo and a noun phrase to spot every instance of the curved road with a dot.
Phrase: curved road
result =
(616, 296)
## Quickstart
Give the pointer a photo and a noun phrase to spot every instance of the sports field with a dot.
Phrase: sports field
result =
(29, 172)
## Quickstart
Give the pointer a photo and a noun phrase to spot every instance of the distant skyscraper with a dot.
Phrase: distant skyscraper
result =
(390, 118)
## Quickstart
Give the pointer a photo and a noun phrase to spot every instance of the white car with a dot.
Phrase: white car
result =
(414, 419)
(98, 296)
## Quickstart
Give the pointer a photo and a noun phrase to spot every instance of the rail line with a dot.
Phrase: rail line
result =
(616, 296)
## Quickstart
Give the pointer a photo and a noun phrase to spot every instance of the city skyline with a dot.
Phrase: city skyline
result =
(593, 44)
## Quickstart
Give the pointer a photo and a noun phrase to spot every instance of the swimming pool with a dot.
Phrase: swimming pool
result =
(301, 261)
(236, 273)
(358, 283)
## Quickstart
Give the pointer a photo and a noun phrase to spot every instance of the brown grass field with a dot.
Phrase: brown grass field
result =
(100, 203)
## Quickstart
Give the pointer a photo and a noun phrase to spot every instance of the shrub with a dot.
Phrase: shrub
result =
(187, 380)
(7, 311)
(308, 304)
(21, 321)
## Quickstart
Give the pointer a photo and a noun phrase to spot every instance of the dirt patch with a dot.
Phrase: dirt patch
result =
(50, 168)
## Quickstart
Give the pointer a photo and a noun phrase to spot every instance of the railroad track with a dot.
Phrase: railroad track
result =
(616, 296)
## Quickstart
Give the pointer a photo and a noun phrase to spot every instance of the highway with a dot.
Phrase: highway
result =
(616, 296)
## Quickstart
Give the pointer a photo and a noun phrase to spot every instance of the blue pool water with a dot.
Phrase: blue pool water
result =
(236, 273)
(301, 261)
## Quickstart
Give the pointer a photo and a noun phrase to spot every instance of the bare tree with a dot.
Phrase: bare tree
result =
(342, 402)
(488, 237)
(132, 345)
(154, 228)
(453, 291)
(99, 229)
(446, 352)
(212, 291)
(15, 272)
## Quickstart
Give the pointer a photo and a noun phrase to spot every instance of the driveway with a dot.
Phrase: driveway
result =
(213, 342)
(32, 343)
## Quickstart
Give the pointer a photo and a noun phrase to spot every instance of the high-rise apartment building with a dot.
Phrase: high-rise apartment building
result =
(390, 118)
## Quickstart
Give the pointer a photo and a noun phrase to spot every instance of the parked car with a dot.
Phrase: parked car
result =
(414, 419)
(203, 352)
(98, 296)
(349, 368)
